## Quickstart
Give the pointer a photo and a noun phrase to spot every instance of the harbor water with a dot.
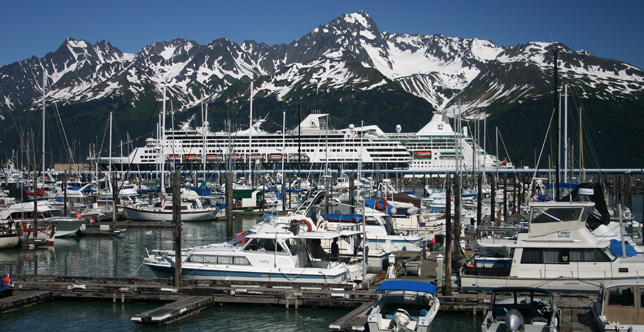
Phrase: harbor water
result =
(122, 256)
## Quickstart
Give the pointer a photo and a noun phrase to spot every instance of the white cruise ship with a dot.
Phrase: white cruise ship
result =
(313, 143)
(434, 148)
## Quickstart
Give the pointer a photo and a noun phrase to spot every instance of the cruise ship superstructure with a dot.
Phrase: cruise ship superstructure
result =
(435, 148)
(313, 144)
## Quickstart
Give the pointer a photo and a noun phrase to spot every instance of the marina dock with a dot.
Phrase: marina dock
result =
(23, 300)
(197, 295)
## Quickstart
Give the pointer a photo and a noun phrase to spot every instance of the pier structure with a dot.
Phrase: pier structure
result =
(193, 296)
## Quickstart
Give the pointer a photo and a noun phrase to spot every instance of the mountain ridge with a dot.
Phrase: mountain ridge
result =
(346, 57)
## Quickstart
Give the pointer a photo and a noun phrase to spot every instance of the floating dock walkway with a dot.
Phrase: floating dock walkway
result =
(23, 300)
(196, 295)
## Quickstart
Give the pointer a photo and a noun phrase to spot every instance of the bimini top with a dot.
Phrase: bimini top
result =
(408, 285)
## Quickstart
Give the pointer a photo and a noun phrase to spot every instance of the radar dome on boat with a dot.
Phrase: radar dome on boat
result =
(351, 126)
(398, 128)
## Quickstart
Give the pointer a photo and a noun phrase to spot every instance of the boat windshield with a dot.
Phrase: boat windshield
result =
(611, 256)
(521, 298)
(557, 214)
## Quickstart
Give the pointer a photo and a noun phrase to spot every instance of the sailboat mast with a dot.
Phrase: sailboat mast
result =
(163, 145)
(44, 82)
(582, 172)
(204, 125)
(565, 134)
(557, 111)
(109, 169)
(250, 138)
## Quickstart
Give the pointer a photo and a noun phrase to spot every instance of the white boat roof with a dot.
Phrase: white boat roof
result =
(561, 204)
(327, 235)
(623, 282)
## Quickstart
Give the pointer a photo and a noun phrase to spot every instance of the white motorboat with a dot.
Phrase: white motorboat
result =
(50, 221)
(559, 253)
(521, 309)
(619, 306)
(273, 250)
(404, 305)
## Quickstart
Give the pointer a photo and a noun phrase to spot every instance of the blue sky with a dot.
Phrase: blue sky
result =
(608, 29)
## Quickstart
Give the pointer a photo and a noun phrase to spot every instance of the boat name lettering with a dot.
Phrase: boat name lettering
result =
(263, 261)
(564, 235)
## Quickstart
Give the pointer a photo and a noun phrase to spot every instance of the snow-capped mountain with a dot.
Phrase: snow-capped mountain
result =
(347, 53)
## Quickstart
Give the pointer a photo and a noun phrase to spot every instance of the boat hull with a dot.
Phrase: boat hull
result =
(560, 284)
(160, 215)
(8, 241)
(305, 275)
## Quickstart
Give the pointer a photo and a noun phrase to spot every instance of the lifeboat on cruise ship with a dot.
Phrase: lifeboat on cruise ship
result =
(192, 157)
(236, 156)
(174, 157)
(256, 156)
(294, 157)
(213, 157)
(274, 157)
(423, 154)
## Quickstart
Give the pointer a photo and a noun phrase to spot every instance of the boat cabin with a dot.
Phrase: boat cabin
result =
(620, 305)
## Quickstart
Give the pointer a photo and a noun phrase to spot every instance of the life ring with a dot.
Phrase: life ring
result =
(627, 214)
(308, 224)
(381, 204)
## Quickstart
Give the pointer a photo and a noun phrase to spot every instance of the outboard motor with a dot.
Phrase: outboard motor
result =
(514, 321)
(400, 320)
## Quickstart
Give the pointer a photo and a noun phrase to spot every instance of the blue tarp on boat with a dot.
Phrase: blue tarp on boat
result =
(616, 248)
(372, 204)
(408, 285)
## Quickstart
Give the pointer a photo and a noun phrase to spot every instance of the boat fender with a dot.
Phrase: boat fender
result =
(381, 204)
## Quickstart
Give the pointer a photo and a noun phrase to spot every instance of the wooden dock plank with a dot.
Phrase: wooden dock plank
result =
(24, 300)
(353, 321)
(174, 311)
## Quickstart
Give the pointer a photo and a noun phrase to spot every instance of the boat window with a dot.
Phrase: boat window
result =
(544, 215)
(563, 255)
(532, 256)
(621, 296)
(372, 221)
(607, 254)
(641, 297)
(253, 244)
(588, 255)
(556, 256)
(291, 245)
(269, 244)
(241, 261)
(206, 259)
(225, 260)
